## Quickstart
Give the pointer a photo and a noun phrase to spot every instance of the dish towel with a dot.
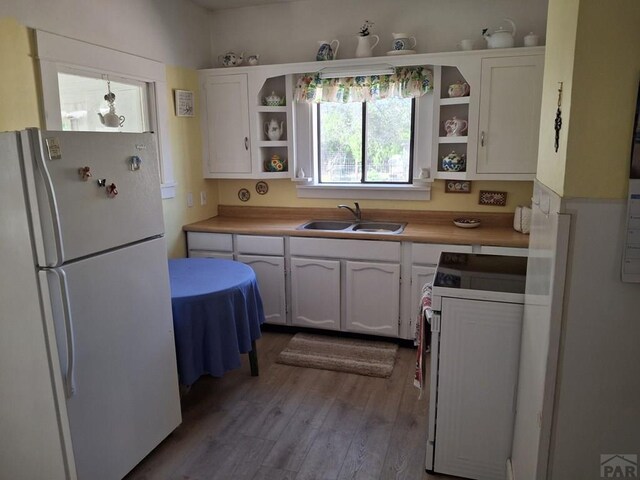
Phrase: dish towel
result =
(422, 337)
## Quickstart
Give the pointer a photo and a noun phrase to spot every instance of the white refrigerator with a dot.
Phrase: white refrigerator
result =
(90, 206)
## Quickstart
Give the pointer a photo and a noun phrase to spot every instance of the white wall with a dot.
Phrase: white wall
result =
(175, 32)
(597, 407)
(288, 32)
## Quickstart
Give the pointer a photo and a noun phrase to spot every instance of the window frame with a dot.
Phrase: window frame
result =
(307, 186)
(114, 78)
(58, 54)
(363, 160)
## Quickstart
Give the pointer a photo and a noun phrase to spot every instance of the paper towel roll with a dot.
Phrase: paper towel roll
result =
(522, 219)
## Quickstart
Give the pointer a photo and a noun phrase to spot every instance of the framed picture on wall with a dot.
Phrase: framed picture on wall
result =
(184, 103)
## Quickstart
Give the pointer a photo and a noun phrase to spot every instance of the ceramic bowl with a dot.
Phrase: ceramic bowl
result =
(466, 222)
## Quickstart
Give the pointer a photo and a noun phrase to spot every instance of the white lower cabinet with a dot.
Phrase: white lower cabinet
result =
(315, 293)
(270, 273)
(419, 276)
(362, 286)
(210, 245)
(372, 298)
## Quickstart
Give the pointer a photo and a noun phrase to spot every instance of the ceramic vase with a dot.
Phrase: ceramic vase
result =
(365, 47)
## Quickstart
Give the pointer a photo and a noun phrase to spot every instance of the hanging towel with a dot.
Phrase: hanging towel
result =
(422, 338)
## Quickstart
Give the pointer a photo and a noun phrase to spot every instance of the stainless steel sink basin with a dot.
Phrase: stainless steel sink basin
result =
(356, 227)
(378, 227)
(333, 225)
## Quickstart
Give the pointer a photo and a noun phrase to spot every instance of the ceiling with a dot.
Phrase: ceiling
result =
(222, 4)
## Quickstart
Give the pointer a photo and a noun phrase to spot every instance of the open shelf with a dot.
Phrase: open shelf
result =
(265, 108)
(458, 139)
(274, 143)
(454, 101)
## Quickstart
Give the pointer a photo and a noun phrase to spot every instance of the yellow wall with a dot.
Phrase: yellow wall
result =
(18, 91)
(282, 193)
(562, 23)
(595, 51)
(186, 146)
(20, 108)
(605, 83)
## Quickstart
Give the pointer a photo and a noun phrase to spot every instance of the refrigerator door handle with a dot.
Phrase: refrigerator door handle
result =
(38, 156)
(63, 287)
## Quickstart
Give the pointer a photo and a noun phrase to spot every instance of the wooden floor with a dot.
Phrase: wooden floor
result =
(296, 423)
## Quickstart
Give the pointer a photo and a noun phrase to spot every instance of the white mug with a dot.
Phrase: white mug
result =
(531, 40)
(465, 44)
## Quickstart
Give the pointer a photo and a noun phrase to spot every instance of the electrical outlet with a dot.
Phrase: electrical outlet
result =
(189, 199)
(203, 198)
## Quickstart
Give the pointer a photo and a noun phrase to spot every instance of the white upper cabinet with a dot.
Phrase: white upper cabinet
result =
(510, 98)
(245, 133)
(493, 123)
(226, 142)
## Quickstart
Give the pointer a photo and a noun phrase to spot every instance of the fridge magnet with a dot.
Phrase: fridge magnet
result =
(184, 103)
(262, 187)
(498, 199)
(457, 186)
(244, 195)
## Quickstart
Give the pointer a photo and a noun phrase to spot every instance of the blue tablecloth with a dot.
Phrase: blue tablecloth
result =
(217, 312)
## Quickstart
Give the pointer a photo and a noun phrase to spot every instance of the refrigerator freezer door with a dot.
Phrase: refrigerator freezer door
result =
(125, 400)
(78, 216)
(35, 442)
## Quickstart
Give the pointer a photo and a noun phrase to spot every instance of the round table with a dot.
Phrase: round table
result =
(217, 313)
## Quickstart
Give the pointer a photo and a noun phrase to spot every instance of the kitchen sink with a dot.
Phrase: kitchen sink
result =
(356, 227)
(378, 227)
(332, 225)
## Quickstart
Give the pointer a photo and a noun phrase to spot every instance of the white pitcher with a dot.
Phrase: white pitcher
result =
(455, 127)
(364, 48)
(273, 130)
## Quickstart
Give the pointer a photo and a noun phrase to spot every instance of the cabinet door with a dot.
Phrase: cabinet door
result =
(210, 254)
(419, 276)
(270, 274)
(227, 127)
(315, 293)
(477, 377)
(510, 100)
(373, 298)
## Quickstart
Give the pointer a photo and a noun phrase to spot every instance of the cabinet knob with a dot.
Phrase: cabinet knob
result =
(246, 143)
(482, 139)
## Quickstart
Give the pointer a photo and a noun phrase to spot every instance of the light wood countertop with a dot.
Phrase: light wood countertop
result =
(427, 227)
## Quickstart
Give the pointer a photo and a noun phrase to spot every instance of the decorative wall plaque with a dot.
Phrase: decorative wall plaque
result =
(498, 199)
(184, 103)
(457, 186)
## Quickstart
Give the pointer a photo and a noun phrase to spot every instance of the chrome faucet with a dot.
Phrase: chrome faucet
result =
(357, 213)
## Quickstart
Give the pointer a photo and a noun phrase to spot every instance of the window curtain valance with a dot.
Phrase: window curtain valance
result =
(406, 82)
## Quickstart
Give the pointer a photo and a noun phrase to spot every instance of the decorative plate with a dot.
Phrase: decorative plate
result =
(466, 222)
(244, 195)
(262, 187)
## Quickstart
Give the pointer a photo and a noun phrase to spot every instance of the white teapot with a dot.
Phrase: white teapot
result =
(273, 130)
(111, 119)
(501, 38)
(231, 59)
